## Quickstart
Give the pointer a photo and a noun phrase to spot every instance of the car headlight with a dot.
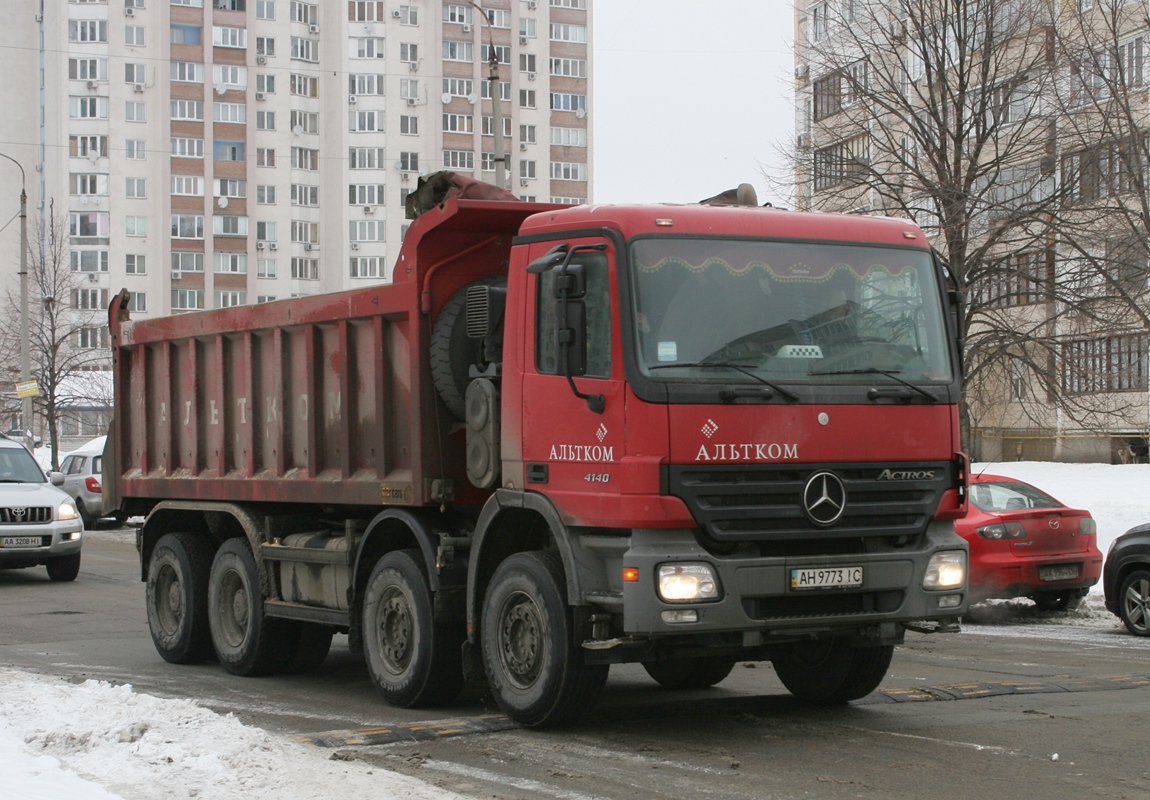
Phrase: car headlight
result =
(67, 510)
(687, 583)
(945, 570)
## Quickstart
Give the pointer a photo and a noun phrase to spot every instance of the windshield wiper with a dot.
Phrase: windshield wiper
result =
(728, 395)
(931, 396)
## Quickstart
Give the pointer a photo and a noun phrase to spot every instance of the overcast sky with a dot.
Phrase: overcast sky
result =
(690, 97)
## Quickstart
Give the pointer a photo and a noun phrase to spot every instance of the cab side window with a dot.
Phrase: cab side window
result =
(598, 304)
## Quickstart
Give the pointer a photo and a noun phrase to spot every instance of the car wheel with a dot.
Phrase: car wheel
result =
(64, 568)
(830, 671)
(247, 641)
(88, 520)
(1134, 602)
(690, 673)
(534, 666)
(177, 598)
(413, 660)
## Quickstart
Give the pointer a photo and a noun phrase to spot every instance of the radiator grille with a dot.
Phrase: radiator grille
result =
(19, 515)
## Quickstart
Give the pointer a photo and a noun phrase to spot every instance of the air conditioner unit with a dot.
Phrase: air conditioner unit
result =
(801, 72)
(803, 140)
(531, 4)
(309, 246)
(523, 145)
(261, 96)
(261, 59)
(522, 40)
(413, 65)
(522, 181)
(467, 29)
(259, 245)
(352, 99)
(273, 246)
(530, 76)
(355, 245)
(138, 88)
(93, 84)
(395, 14)
(177, 275)
(313, 28)
(129, 12)
(91, 277)
(411, 101)
(368, 210)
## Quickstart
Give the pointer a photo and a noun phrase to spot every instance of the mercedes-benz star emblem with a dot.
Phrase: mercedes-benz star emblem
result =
(824, 498)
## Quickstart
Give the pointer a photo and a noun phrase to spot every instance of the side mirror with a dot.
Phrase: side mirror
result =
(57, 478)
(573, 280)
(572, 337)
(549, 260)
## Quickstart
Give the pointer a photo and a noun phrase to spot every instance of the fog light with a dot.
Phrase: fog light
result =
(683, 615)
(687, 583)
(71, 537)
(945, 570)
(950, 601)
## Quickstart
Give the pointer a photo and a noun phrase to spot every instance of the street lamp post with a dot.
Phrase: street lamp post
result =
(502, 162)
(25, 340)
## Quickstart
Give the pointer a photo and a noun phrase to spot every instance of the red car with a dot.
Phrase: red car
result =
(1024, 543)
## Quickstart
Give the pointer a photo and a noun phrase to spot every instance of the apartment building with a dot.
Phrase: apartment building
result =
(1015, 133)
(213, 153)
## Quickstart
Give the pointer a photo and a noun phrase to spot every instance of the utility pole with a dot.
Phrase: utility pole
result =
(25, 338)
(502, 161)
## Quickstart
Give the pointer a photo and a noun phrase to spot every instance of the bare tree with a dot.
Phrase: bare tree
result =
(69, 332)
(950, 113)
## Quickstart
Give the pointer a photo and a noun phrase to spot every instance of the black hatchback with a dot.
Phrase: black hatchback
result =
(1126, 579)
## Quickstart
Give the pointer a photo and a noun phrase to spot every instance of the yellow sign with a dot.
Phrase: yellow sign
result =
(29, 389)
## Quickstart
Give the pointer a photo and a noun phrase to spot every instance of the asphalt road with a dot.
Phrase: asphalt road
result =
(1003, 710)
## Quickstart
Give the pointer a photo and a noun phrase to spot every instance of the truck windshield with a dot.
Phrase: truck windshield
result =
(787, 311)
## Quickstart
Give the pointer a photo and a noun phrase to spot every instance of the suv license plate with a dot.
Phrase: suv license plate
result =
(19, 541)
(826, 577)
(1064, 572)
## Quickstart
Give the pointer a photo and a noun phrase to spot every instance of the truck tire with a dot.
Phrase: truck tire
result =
(831, 671)
(247, 642)
(534, 666)
(412, 660)
(64, 568)
(453, 351)
(690, 673)
(177, 598)
(312, 643)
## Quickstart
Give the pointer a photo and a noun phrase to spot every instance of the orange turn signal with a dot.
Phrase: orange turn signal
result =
(630, 574)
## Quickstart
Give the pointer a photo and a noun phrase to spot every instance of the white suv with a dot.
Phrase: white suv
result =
(39, 523)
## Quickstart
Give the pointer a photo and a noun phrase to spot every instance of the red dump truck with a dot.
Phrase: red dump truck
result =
(562, 438)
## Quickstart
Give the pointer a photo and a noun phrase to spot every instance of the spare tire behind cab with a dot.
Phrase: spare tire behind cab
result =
(453, 351)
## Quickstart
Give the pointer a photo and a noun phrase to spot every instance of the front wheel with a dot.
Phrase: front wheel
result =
(831, 671)
(534, 665)
(64, 568)
(690, 673)
(413, 660)
(1134, 602)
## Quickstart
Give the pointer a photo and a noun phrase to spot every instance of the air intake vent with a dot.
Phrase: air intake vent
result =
(478, 311)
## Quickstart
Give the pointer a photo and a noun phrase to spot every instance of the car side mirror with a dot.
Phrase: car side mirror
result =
(57, 478)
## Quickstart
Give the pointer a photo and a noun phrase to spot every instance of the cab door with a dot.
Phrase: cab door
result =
(572, 445)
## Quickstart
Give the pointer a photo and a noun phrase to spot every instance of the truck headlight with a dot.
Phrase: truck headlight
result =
(945, 570)
(67, 510)
(687, 583)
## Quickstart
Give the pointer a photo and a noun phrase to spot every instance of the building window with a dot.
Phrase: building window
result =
(409, 53)
(230, 5)
(135, 187)
(365, 84)
(459, 159)
(527, 98)
(134, 73)
(266, 83)
(265, 195)
(265, 157)
(303, 85)
(230, 76)
(409, 125)
(568, 171)
(304, 158)
(365, 194)
(458, 87)
(138, 301)
(230, 112)
(187, 226)
(135, 111)
(134, 35)
(187, 34)
(304, 232)
(135, 226)
(265, 120)
(367, 267)
(365, 121)
(230, 298)
(568, 102)
(839, 162)
(366, 230)
(88, 107)
(408, 15)
(231, 187)
(265, 298)
(227, 151)
(366, 157)
(526, 169)
(568, 67)
(88, 69)
(88, 183)
(458, 123)
(265, 231)
(1016, 280)
(365, 11)
(265, 9)
(90, 299)
(187, 110)
(502, 54)
(458, 14)
(229, 225)
(187, 148)
(92, 338)
(88, 224)
(303, 194)
(135, 264)
(458, 51)
(303, 49)
(188, 185)
(498, 17)
(489, 126)
(187, 299)
(87, 30)
(565, 32)
(367, 47)
(305, 269)
(819, 24)
(88, 260)
(134, 150)
(87, 146)
(307, 13)
(504, 90)
(230, 37)
(569, 137)
(409, 162)
(187, 262)
(265, 46)
(409, 88)
(265, 267)
(568, 201)
(1108, 364)
(304, 122)
(231, 263)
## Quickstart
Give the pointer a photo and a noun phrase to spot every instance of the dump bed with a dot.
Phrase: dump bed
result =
(323, 400)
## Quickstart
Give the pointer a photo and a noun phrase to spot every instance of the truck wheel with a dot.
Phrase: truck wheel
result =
(413, 660)
(830, 671)
(453, 351)
(534, 665)
(177, 598)
(690, 673)
(247, 642)
(1134, 602)
(64, 568)
(311, 646)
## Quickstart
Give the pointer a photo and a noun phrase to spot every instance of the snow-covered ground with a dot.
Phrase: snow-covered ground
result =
(96, 741)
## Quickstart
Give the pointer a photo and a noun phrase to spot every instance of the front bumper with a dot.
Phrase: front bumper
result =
(1003, 576)
(756, 595)
(59, 538)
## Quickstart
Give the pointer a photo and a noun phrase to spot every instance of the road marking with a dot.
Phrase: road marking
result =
(411, 732)
(973, 691)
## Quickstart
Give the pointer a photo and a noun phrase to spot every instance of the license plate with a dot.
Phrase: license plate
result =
(826, 577)
(1064, 572)
(19, 541)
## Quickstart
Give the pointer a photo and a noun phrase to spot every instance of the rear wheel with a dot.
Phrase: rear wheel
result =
(534, 666)
(311, 646)
(177, 598)
(1058, 601)
(413, 660)
(831, 671)
(1134, 602)
(64, 568)
(247, 642)
(690, 673)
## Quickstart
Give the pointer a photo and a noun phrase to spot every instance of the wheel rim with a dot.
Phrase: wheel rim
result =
(235, 610)
(521, 640)
(1137, 604)
(169, 599)
(395, 630)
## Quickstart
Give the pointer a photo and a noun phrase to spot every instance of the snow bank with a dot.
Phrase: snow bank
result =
(140, 746)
